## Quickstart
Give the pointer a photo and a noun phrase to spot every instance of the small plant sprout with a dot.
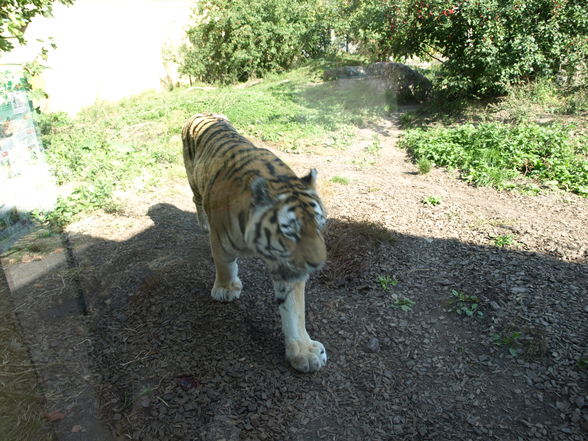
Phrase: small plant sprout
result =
(503, 240)
(424, 166)
(340, 180)
(403, 303)
(510, 340)
(432, 201)
(386, 282)
(363, 160)
(340, 140)
(464, 304)
(374, 147)
(146, 390)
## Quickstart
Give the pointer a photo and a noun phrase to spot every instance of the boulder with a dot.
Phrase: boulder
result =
(344, 72)
(408, 85)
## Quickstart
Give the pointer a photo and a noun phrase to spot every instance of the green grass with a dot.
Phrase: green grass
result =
(403, 303)
(387, 282)
(108, 146)
(135, 144)
(505, 156)
(526, 100)
(532, 139)
(432, 201)
(340, 139)
(464, 304)
(340, 180)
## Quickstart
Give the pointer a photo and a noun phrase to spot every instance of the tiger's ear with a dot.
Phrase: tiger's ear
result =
(310, 178)
(259, 192)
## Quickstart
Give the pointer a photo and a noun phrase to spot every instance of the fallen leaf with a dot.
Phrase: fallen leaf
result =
(187, 382)
(56, 415)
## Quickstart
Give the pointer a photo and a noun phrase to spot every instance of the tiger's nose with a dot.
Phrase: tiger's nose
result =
(314, 266)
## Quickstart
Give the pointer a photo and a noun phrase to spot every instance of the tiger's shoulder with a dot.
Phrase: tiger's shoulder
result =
(253, 199)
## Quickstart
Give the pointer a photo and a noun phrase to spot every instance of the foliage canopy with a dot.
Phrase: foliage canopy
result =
(15, 16)
(484, 45)
(235, 40)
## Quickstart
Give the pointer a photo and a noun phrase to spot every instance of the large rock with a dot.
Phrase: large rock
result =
(408, 85)
(344, 72)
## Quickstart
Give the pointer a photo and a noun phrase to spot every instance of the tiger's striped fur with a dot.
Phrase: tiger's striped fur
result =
(251, 203)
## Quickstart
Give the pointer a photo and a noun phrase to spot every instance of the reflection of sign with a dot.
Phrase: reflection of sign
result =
(25, 182)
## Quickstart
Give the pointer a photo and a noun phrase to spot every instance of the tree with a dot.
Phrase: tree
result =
(15, 16)
(234, 40)
(484, 45)
(366, 23)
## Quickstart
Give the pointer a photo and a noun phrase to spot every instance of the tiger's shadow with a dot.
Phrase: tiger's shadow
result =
(170, 360)
(153, 322)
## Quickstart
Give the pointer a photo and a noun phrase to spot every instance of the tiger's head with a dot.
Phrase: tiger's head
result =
(286, 226)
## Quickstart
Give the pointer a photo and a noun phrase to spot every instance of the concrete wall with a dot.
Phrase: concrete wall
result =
(106, 49)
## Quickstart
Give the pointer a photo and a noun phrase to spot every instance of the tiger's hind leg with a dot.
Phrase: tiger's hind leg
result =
(201, 215)
(227, 285)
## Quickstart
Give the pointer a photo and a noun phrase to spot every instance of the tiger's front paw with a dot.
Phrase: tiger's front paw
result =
(227, 294)
(307, 356)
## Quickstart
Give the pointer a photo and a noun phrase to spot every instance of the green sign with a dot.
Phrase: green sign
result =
(25, 181)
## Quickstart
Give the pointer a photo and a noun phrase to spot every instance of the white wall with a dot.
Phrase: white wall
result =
(106, 49)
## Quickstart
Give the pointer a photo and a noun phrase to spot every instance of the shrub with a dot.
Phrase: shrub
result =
(489, 44)
(424, 166)
(496, 154)
(484, 45)
(235, 40)
(15, 16)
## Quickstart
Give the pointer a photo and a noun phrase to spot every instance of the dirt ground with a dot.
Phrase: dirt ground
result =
(164, 361)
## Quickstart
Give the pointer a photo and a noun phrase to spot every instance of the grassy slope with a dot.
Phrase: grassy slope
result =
(111, 145)
(532, 139)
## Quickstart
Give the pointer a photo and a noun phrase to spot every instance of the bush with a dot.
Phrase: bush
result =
(235, 40)
(487, 45)
(498, 154)
(484, 45)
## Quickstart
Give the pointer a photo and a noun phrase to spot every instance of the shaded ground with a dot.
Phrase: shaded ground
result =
(165, 361)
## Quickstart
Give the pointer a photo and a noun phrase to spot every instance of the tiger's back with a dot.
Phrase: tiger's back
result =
(222, 165)
(216, 155)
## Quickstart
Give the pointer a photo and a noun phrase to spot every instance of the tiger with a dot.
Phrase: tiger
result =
(252, 204)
